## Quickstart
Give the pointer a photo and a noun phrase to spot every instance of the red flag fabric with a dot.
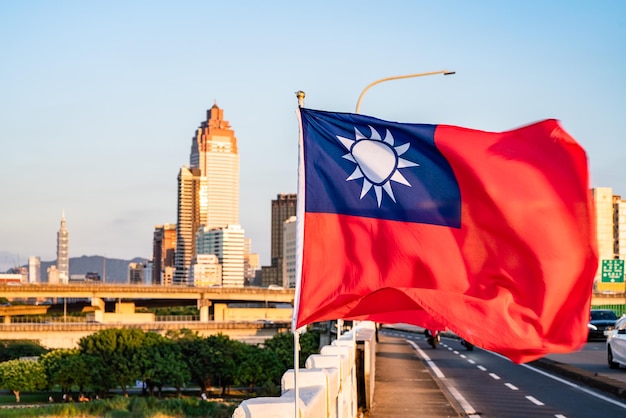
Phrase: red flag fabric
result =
(490, 235)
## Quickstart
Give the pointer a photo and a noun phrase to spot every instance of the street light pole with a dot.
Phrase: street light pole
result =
(358, 104)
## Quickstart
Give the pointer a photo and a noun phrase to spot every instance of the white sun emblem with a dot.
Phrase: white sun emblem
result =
(377, 161)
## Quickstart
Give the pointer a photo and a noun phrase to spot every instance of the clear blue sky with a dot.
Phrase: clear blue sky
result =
(99, 101)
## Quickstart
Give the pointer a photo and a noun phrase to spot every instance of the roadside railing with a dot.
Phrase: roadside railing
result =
(337, 383)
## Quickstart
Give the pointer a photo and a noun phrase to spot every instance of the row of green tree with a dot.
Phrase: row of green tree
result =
(117, 358)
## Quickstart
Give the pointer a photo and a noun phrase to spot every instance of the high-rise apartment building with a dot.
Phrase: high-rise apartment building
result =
(163, 250)
(34, 269)
(192, 207)
(283, 207)
(610, 231)
(227, 244)
(208, 190)
(289, 253)
(63, 257)
(206, 271)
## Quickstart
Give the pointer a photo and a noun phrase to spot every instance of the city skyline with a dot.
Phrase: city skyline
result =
(99, 101)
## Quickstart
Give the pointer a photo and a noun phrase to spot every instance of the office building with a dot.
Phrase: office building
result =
(163, 250)
(251, 263)
(206, 271)
(283, 207)
(227, 244)
(63, 257)
(34, 270)
(611, 233)
(289, 253)
(208, 190)
(214, 152)
(140, 273)
(52, 274)
(192, 208)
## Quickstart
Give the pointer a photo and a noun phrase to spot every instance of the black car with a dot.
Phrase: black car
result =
(600, 323)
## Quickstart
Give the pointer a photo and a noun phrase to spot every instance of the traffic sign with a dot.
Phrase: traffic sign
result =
(612, 271)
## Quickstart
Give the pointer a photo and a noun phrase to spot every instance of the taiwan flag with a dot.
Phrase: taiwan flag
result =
(490, 235)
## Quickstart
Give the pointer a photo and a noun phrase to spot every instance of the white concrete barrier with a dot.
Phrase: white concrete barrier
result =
(332, 385)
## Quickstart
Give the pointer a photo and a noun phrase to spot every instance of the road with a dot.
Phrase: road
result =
(485, 384)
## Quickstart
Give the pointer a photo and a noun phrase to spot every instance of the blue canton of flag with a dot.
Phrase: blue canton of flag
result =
(362, 166)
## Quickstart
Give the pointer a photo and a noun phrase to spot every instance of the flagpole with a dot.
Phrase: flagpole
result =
(296, 334)
(397, 77)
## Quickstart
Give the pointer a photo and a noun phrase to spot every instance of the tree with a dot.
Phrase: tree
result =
(22, 375)
(282, 345)
(259, 366)
(162, 363)
(114, 353)
(222, 363)
(197, 354)
(10, 350)
(67, 368)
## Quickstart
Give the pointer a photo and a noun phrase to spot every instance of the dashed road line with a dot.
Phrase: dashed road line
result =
(535, 400)
(467, 408)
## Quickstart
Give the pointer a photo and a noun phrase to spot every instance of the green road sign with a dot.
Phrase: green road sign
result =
(612, 271)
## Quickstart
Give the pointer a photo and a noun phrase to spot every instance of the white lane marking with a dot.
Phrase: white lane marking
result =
(582, 389)
(559, 416)
(511, 386)
(470, 361)
(495, 376)
(467, 408)
(535, 401)
(483, 368)
(429, 362)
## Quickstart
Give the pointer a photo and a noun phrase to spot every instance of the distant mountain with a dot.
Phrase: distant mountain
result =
(116, 270)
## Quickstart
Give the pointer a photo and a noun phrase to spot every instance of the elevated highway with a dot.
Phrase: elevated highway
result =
(209, 300)
(122, 291)
(67, 335)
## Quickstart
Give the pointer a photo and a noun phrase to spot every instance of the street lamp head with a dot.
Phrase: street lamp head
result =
(449, 72)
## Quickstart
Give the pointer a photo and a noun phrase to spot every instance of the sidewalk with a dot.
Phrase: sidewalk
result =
(403, 385)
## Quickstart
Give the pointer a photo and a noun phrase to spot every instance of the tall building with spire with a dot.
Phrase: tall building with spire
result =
(63, 257)
(208, 189)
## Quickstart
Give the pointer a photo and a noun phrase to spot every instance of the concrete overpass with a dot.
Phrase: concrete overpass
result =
(66, 335)
(205, 297)
(8, 311)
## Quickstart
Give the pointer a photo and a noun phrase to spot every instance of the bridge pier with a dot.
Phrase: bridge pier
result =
(203, 306)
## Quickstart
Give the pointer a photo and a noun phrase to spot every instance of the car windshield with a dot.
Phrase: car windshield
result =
(600, 315)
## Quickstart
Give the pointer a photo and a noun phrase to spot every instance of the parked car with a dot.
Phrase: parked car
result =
(601, 321)
(616, 344)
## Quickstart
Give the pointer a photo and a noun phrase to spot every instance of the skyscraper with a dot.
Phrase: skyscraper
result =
(214, 152)
(283, 207)
(163, 250)
(192, 207)
(227, 243)
(208, 190)
(34, 269)
(63, 258)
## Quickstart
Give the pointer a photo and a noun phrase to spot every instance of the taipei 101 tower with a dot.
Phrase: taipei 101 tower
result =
(63, 258)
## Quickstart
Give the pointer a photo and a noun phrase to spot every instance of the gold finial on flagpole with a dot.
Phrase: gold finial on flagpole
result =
(300, 96)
